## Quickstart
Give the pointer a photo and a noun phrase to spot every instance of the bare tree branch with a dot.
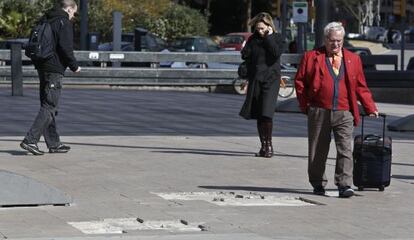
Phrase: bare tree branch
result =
(350, 6)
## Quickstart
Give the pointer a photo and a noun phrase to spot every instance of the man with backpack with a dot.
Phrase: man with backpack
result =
(51, 68)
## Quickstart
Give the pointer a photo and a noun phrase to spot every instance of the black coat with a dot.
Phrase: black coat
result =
(262, 56)
(62, 30)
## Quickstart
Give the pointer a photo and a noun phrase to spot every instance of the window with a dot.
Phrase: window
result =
(233, 39)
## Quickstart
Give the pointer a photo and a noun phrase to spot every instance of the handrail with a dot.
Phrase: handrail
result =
(170, 76)
(232, 57)
(156, 57)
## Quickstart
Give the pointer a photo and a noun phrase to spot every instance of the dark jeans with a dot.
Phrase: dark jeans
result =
(49, 88)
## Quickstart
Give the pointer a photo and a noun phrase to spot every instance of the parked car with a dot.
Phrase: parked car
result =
(409, 35)
(199, 44)
(359, 50)
(410, 65)
(235, 41)
(375, 33)
(362, 51)
(194, 44)
(149, 42)
(354, 36)
(108, 46)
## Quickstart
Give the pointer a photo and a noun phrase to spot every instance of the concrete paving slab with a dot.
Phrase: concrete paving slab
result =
(125, 148)
(18, 190)
(248, 236)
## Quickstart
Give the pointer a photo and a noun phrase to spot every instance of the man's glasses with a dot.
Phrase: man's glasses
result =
(334, 40)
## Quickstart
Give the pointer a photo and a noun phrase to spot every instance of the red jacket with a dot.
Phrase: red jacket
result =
(311, 72)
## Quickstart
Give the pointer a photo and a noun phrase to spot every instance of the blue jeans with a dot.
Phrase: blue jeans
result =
(45, 123)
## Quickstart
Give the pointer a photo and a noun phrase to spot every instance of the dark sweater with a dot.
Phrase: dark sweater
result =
(262, 56)
(62, 30)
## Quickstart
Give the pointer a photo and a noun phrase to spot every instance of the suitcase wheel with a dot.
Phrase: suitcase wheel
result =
(360, 188)
(381, 188)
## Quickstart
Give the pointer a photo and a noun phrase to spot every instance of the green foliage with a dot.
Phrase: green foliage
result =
(162, 17)
(10, 24)
(99, 20)
(159, 26)
(135, 13)
(181, 21)
(176, 21)
(17, 17)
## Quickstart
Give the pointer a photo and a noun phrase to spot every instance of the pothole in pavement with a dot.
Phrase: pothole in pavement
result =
(239, 199)
(123, 225)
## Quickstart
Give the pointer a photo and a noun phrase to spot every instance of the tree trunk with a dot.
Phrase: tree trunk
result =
(360, 19)
(370, 13)
(248, 15)
(207, 10)
(378, 16)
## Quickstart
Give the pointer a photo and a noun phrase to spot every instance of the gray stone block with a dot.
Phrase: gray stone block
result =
(404, 124)
(18, 190)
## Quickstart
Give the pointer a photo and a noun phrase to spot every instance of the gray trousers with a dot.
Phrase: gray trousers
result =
(45, 121)
(321, 123)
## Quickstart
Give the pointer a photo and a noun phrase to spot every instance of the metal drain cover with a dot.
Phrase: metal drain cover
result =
(238, 199)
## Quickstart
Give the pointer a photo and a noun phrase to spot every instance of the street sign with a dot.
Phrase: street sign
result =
(300, 12)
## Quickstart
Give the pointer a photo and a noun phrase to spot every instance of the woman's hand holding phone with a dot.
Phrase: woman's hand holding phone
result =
(269, 30)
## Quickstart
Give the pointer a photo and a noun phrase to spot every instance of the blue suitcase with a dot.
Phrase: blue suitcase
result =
(372, 159)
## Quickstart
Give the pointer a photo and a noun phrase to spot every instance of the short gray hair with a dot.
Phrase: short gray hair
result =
(333, 26)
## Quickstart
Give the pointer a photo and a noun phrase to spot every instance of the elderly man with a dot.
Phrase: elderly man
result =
(328, 83)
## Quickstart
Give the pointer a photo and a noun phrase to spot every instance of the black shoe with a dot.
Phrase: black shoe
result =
(345, 192)
(31, 147)
(61, 148)
(319, 190)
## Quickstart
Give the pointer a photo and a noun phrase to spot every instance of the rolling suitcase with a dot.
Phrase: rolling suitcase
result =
(372, 159)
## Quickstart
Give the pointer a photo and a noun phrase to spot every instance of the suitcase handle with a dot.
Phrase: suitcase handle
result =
(371, 137)
(383, 115)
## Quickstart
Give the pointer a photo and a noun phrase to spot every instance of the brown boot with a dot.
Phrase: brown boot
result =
(268, 147)
(262, 140)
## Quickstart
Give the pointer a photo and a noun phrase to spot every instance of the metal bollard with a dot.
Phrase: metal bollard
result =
(117, 34)
(16, 69)
(154, 65)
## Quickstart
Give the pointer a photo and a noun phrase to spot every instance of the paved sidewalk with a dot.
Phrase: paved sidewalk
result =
(130, 146)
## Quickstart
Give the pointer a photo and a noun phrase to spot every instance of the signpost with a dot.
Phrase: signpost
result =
(84, 24)
(321, 19)
(399, 7)
(300, 12)
(117, 34)
(300, 16)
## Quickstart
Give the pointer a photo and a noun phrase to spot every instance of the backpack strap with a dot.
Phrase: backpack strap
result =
(55, 19)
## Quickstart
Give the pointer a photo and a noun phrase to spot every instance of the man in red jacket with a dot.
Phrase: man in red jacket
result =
(328, 84)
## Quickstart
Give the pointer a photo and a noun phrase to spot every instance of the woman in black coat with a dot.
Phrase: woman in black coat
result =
(262, 55)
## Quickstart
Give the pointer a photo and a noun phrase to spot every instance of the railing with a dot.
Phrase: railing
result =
(156, 57)
(154, 74)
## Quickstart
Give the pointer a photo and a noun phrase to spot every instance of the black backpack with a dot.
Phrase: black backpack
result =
(41, 44)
